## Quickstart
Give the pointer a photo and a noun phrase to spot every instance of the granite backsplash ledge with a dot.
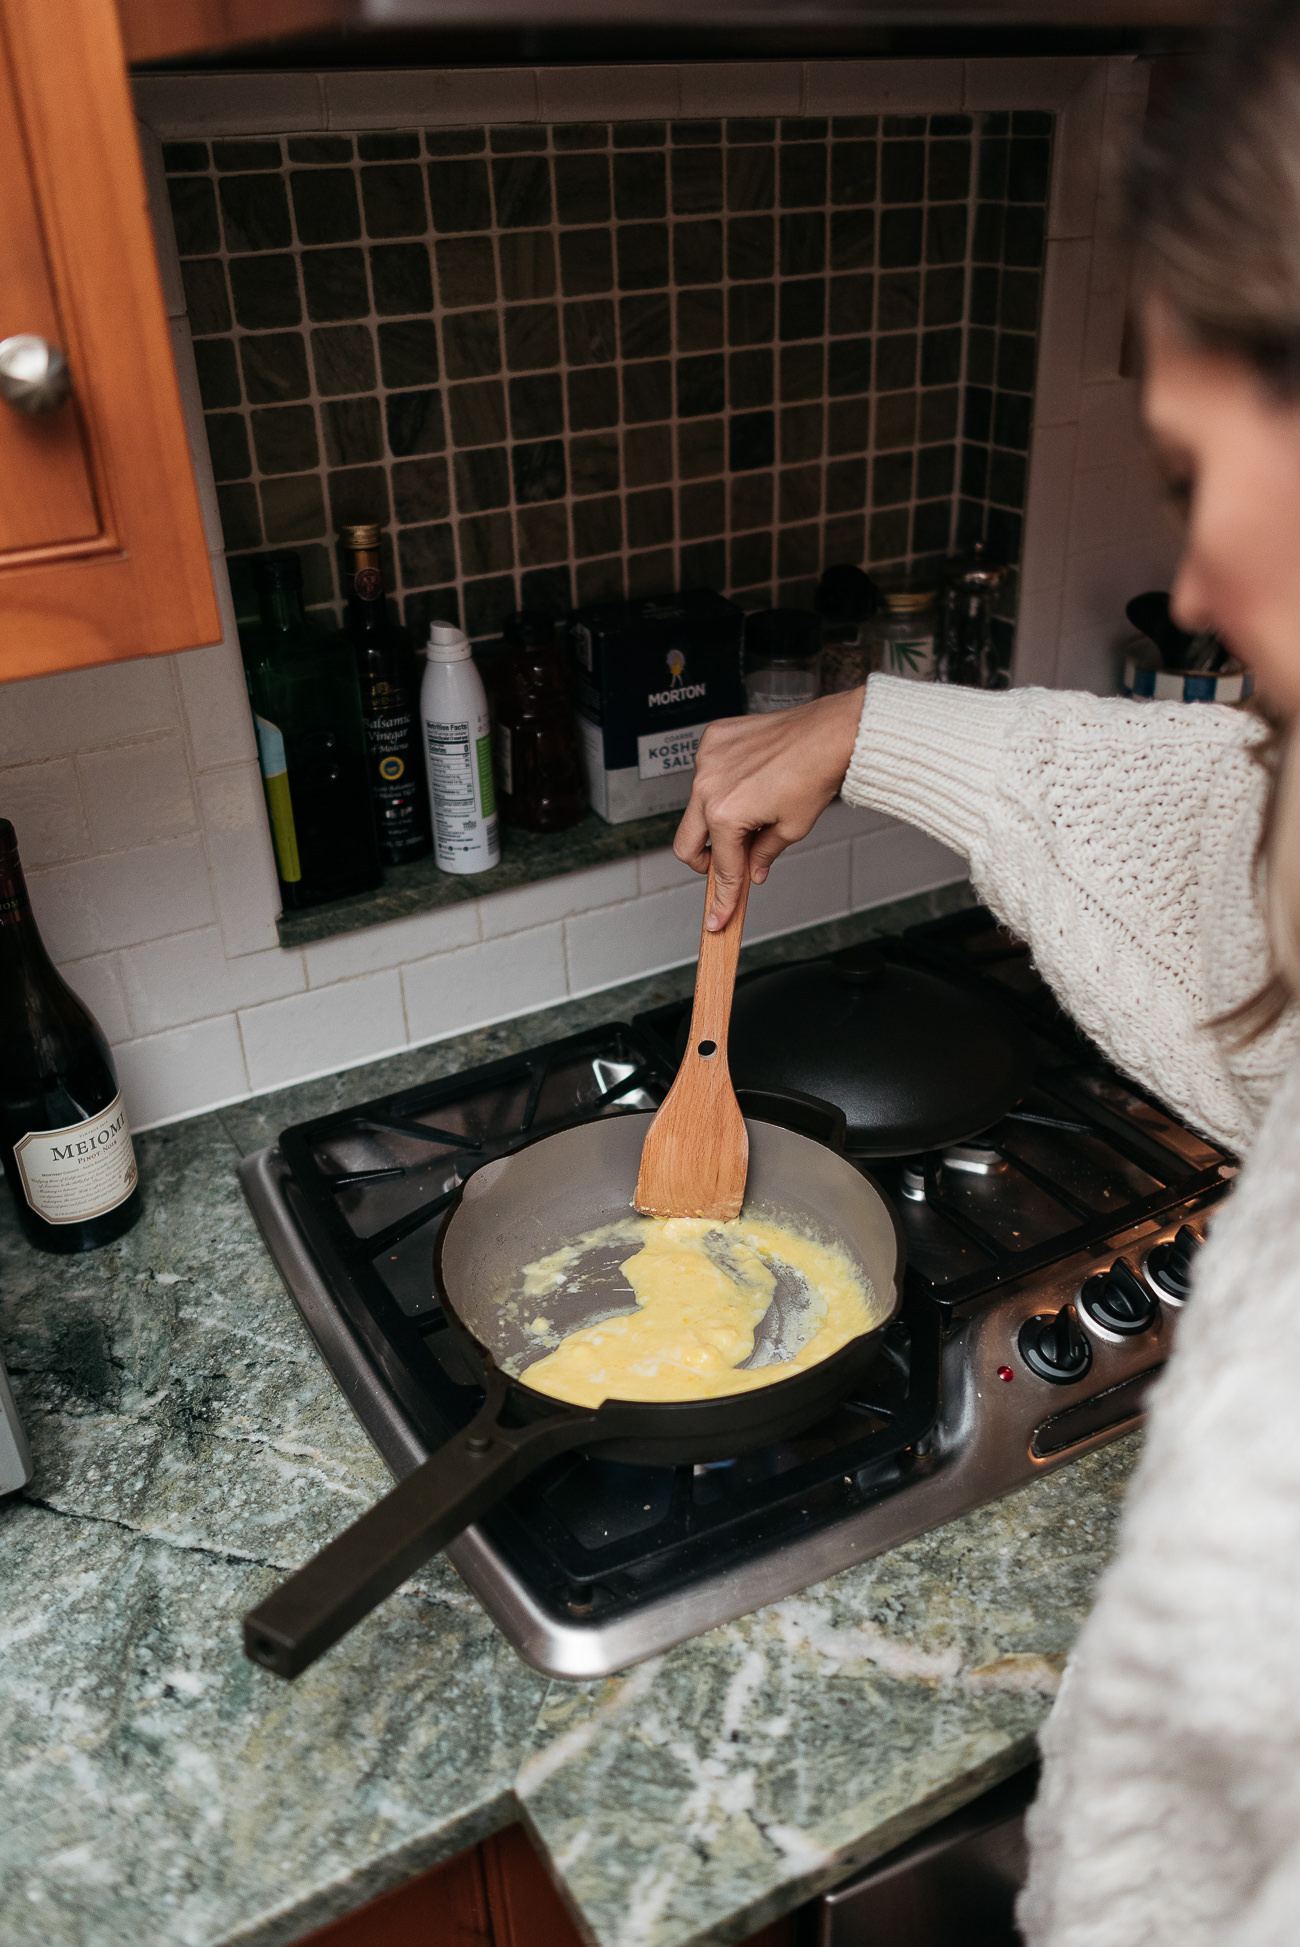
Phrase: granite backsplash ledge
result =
(561, 362)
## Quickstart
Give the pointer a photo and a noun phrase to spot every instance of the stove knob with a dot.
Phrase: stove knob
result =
(1055, 1346)
(1119, 1302)
(1169, 1266)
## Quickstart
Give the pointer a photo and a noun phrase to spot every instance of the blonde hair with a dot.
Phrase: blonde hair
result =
(1213, 195)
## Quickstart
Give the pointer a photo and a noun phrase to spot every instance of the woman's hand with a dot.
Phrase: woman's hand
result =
(760, 784)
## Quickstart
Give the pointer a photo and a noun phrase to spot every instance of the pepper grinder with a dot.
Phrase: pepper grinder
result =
(966, 619)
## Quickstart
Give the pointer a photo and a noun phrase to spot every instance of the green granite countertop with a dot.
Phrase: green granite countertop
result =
(191, 1447)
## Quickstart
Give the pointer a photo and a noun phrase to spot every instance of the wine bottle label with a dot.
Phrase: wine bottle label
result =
(279, 805)
(70, 1175)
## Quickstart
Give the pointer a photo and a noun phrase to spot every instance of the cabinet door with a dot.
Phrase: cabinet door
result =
(102, 550)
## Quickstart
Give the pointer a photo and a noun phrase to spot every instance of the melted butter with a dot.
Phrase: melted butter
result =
(702, 1289)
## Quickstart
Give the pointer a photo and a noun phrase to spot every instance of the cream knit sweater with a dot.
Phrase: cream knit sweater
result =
(1118, 839)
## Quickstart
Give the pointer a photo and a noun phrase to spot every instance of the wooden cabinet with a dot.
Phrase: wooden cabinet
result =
(497, 1895)
(102, 550)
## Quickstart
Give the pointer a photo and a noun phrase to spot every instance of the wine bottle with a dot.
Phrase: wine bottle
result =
(386, 669)
(311, 743)
(63, 1130)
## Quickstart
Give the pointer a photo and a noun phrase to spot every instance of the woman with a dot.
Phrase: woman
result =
(1122, 841)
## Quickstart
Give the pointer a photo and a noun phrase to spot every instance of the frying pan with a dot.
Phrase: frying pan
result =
(514, 1210)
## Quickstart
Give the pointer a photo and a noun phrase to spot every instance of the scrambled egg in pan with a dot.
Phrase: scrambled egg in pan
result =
(702, 1290)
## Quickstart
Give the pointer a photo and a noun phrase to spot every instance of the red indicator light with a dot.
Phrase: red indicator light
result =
(1005, 1372)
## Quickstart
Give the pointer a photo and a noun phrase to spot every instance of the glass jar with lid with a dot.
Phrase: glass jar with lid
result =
(966, 649)
(902, 634)
(781, 649)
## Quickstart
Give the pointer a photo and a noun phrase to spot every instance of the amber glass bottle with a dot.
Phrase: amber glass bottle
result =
(540, 779)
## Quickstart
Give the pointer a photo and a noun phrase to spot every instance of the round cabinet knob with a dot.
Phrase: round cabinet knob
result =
(1169, 1266)
(1055, 1346)
(1117, 1301)
(34, 374)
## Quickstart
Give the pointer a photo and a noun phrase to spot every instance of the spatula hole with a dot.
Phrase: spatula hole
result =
(707, 1048)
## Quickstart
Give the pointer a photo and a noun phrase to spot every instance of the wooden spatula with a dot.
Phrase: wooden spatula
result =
(696, 1153)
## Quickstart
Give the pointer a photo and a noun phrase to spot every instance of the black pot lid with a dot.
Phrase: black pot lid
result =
(914, 1061)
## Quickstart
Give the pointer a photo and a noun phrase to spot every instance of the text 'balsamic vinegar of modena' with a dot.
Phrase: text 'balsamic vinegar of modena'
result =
(386, 672)
(63, 1130)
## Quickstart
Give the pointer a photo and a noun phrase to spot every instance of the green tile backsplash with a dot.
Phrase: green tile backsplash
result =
(560, 363)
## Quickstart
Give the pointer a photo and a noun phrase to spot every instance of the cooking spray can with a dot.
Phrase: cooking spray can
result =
(458, 742)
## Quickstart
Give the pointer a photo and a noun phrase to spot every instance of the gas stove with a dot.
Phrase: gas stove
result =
(1047, 1261)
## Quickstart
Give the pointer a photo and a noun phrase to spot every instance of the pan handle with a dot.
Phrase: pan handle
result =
(355, 1571)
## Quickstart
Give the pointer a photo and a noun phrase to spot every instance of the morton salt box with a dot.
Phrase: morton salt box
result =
(650, 675)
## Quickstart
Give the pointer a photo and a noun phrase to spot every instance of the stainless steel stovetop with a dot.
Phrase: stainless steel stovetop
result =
(1047, 1264)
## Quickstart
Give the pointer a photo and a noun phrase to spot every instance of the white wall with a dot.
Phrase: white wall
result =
(135, 790)
(1097, 530)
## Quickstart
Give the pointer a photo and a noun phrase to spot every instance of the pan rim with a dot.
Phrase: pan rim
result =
(667, 1413)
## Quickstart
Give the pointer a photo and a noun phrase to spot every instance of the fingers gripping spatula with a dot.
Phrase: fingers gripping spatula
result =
(696, 1153)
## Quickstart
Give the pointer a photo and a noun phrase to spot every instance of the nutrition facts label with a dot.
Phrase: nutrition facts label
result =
(460, 780)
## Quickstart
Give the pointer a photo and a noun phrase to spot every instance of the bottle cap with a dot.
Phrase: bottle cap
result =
(447, 643)
(364, 536)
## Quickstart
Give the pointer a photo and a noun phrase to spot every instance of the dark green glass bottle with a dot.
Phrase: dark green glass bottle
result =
(389, 687)
(64, 1138)
(311, 743)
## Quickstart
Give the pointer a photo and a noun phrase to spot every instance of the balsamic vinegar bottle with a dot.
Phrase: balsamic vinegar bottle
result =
(311, 743)
(386, 669)
(63, 1130)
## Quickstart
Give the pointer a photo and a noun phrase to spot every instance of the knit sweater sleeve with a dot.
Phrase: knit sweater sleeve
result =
(1118, 839)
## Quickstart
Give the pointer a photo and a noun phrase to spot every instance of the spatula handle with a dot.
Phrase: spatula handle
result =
(716, 978)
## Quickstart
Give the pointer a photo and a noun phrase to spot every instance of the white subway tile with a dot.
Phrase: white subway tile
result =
(1047, 518)
(121, 898)
(238, 841)
(634, 92)
(1098, 508)
(66, 911)
(658, 870)
(152, 891)
(1038, 630)
(213, 696)
(228, 104)
(181, 1073)
(1060, 339)
(86, 709)
(98, 982)
(326, 1028)
(188, 977)
(839, 820)
(535, 905)
(882, 87)
(43, 804)
(892, 864)
(1103, 337)
(741, 88)
(1076, 159)
(662, 929)
(429, 97)
(1027, 81)
(1099, 584)
(480, 984)
(137, 793)
(801, 889)
(1109, 427)
(1089, 659)
(375, 947)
